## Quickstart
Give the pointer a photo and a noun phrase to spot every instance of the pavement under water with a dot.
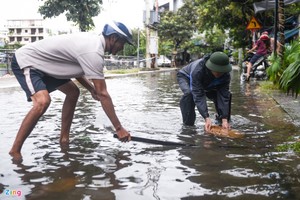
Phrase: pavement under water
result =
(97, 166)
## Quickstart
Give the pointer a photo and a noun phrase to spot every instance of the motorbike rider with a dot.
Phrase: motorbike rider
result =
(262, 46)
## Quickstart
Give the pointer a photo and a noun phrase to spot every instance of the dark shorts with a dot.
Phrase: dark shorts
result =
(255, 58)
(33, 80)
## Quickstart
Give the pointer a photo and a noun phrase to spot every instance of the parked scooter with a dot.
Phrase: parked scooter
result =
(258, 70)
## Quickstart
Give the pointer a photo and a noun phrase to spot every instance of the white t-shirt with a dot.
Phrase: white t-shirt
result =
(65, 56)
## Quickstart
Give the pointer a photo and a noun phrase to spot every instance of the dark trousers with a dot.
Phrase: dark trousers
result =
(187, 104)
(187, 107)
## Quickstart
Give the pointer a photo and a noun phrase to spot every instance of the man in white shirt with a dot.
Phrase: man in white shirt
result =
(47, 65)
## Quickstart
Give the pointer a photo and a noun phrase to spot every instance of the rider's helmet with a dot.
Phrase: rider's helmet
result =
(120, 29)
(264, 37)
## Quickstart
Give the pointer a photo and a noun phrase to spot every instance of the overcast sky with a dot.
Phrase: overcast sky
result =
(128, 11)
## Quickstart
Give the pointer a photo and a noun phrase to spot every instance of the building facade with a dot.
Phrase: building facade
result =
(169, 5)
(25, 31)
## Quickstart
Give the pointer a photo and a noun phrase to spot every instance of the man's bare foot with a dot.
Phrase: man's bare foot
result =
(64, 147)
(64, 144)
(16, 156)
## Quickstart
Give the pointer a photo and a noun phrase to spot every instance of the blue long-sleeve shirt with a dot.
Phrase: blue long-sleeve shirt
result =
(202, 81)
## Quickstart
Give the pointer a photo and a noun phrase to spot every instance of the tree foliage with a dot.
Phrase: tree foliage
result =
(78, 11)
(234, 15)
(208, 16)
(179, 26)
(174, 28)
(286, 74)
(131, 50)
(226, 15)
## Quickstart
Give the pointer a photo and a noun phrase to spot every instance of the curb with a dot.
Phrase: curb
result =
(289, 104)
(160, 70)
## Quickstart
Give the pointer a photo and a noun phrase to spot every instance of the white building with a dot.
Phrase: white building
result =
(169, 5)
(26, 30)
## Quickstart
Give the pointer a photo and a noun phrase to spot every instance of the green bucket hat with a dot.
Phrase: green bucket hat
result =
(219, 62)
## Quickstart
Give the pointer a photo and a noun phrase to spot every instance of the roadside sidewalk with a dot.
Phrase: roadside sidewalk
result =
(159, 70)
(8, 81)
(289, 104)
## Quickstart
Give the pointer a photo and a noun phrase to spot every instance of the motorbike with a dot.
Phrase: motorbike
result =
(258, 70)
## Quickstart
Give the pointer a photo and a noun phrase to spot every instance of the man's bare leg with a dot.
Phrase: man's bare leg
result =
(249, 66)
(72, 93)
(41, 101)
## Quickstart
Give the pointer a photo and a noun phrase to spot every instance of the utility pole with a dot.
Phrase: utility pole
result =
(275, 27)
(154, 34)
(147, 23)
(138, 50)
(151, 18)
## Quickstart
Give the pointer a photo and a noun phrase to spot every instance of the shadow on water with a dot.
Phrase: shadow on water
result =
(97, 166)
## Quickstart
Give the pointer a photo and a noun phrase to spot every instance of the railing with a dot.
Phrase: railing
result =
(123, 62)
(111, 62)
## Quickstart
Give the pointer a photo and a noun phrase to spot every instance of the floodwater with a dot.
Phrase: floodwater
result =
(98, 166)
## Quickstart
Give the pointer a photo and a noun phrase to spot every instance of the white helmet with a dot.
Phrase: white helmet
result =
(120, 29)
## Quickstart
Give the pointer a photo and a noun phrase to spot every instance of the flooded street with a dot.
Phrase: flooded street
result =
(97, 166)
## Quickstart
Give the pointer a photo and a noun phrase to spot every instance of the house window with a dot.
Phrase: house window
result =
(33, 30)
(19, 31)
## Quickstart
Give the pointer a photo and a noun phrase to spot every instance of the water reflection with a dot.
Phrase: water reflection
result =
(97, 166)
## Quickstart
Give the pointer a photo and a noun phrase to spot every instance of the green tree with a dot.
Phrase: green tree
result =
(13, 46)
(215, 39)
(234, 15)
(177, 28)
(165, 47)
(285, 71)
(78, 11)
(290, 79)
(225, 15)
(130, 50)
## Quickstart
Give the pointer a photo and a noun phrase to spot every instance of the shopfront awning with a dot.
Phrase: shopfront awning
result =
(269, 4)
(291, 33)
